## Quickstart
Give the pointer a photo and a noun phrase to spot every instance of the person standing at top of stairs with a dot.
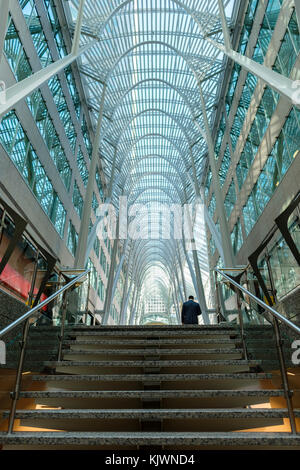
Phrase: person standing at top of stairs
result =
(190, 312)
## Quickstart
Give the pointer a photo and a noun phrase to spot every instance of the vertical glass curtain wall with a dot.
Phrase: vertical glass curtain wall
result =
(18, 147)
(287, 144)
(67, 139)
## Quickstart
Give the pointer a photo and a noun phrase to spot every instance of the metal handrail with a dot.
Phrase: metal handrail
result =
(273, 312)
(17, 388)
(276, 318)
(28, 314)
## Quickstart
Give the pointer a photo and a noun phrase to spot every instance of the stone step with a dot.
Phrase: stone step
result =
(154, 333)
(151, 352)
(154, 414)
(224, 439)
(129, 329)
(219, 326)
(148, 377)
(150, 394)
(225, 326)
(154, 363)
(154, 342)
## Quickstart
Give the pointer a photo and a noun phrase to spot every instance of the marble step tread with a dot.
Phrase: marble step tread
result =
(146, 394)
(151, 351)
(153, 413)
(80, 326)
(152, 438)
(148, 363)
(158, 342)
(153, 333)
(118, 335)
(225, 326)
(149, 377)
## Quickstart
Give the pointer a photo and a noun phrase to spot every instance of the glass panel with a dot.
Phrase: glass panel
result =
(36, 30)
(230, 199)
(20, 150)
(77, 200)
(46, 127)
(237, 237)
(15, 53)
(56, 28)
(72, 239)
(226, 161)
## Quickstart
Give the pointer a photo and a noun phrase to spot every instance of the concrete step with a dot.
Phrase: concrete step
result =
(149, 377)
(151, 366)
(154, 414)
(151, 352)
(153, 342)
(130, 329)
(154, 333)
(154, 363)
(225, 326)
(150, 394)
(192, 439)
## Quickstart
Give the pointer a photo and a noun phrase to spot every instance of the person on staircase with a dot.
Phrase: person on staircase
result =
(190, 312)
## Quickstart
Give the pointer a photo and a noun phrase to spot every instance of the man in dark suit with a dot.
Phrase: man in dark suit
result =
(190, 312)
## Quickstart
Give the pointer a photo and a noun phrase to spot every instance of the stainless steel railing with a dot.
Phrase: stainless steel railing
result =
(267, 307)
(38, 307)
(276, 318)
(26, 318)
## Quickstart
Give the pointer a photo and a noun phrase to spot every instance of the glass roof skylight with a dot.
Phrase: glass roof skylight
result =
(151, 54)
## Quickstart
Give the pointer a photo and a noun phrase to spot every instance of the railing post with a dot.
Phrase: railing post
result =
(279, 345)
(87, 298)
(218, 309)
(33, 280)
(16, 393)
(241, 323)
(62, 326)
(285, 383)
(276, 318)
(272, 284)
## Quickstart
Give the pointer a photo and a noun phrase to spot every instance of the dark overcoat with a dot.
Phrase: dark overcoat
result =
(190, 312)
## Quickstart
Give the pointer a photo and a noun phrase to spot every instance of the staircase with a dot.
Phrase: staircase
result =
(150, 387)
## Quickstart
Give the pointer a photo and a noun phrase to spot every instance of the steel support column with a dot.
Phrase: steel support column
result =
(93, 233)
(197, 286)
(181, 271)
(226, 242)
(121, 261)
(178, 284)
(134, 305)
(176, 296)
(87, 206)
(77, 32)
(125, 300)
(198, 277)
(4, 9)
(108, 296)
(297, 6)
(176, 307)
(227, 40)
(214, 232)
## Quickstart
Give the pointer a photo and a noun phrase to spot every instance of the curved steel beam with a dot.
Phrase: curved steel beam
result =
(150, 110)
(160, 80)
(144, 43)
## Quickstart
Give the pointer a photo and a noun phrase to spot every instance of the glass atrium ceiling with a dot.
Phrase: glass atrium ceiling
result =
(151, 54)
